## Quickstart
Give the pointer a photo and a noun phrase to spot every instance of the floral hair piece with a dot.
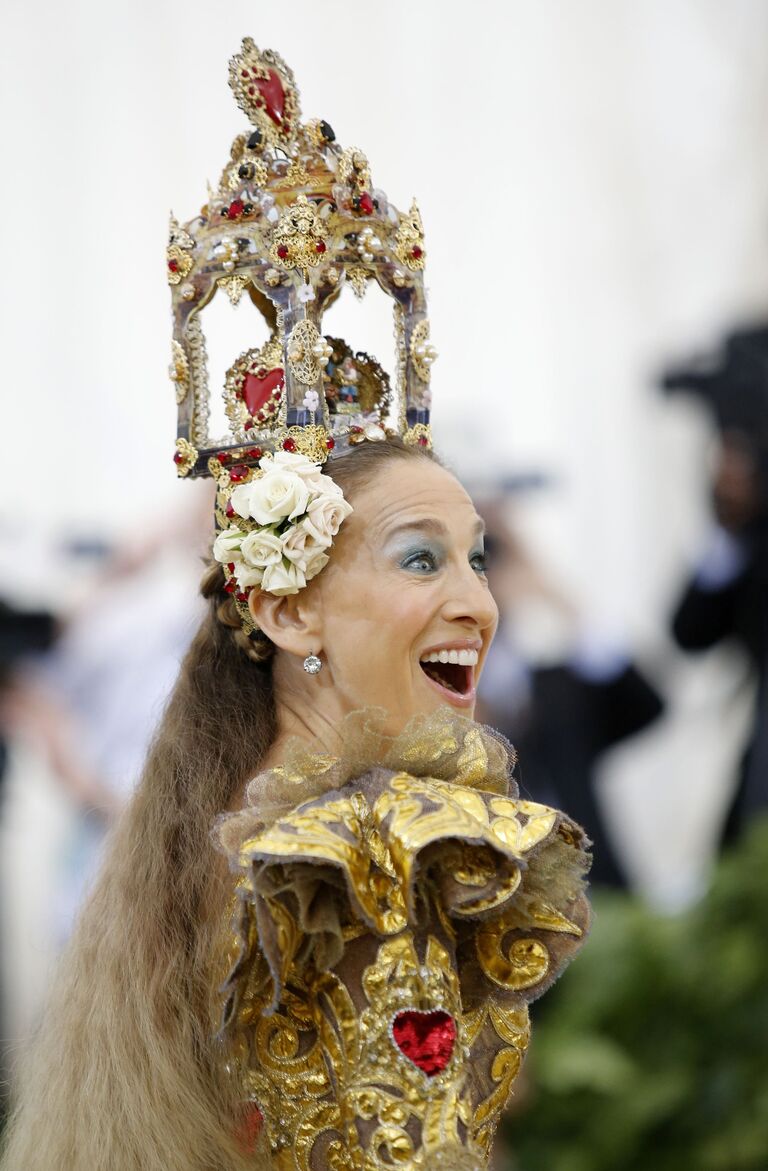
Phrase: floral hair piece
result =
(283, 521)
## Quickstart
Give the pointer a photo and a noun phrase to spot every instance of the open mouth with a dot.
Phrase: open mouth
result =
(452, 676)
(451, 671)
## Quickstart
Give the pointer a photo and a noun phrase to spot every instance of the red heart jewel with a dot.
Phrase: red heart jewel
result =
(271, 89)
(425, 1038)
(258, 391)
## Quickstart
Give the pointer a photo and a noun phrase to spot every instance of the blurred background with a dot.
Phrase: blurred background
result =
(594, 185)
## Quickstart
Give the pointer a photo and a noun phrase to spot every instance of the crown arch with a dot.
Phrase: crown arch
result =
(294, 220)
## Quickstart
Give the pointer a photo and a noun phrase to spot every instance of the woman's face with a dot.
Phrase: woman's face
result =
(406, 616)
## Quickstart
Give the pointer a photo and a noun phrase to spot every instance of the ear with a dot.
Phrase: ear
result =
(291, 621)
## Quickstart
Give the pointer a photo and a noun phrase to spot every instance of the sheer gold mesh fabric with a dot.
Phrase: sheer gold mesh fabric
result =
(398, 908)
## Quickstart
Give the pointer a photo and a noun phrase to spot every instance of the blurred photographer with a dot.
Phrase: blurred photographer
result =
(727, 597)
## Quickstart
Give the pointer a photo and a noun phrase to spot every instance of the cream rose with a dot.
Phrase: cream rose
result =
(226, 547)
(240, 499)
(299, 543)
(261, 548)
(292, 461)
(283, 579)
(324, 517)
(317, 561)
(248, 575)
(279, 495)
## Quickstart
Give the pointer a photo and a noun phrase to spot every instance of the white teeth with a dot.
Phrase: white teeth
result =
(462, 658)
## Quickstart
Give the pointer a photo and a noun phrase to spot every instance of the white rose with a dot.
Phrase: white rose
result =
(226, 547)
(317, 561)
(299, 543)
(283, 579)
(328, 487)
(240, 499)
(278, 495)
(293, 461)
(248, 575)
(324, 517)
(261, 548)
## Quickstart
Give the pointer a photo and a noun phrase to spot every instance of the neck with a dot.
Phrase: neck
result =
(305, 710)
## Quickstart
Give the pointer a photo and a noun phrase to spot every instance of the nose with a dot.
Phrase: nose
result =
(469, 601)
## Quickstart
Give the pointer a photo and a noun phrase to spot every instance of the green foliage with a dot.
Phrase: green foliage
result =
(651, 1054)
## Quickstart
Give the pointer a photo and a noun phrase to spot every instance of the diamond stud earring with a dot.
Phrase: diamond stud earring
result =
(312, 664)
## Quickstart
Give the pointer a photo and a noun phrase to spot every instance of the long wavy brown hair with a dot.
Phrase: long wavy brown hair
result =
(125, 1071)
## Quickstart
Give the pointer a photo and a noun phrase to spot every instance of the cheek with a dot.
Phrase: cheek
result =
(377, 633)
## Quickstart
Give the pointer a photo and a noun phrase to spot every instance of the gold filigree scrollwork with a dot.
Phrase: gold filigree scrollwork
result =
(198, 368)
(178, 372)
(311, 441)
(298, 240)
(423, 353)
(253, 387)
(265, 90)
(185, 457)
(512, 1027)
(525, 962)
(409, 241)
(233, 286)
(419, 435)
(358, 277)
(308, 352)
(354, 169)
(179, 262)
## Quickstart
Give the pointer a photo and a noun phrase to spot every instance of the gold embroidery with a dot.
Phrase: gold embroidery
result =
(395, 868)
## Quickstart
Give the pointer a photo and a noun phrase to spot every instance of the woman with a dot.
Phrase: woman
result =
(339, 976)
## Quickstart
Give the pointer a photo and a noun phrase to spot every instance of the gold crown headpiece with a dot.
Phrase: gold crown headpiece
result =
(295, 217)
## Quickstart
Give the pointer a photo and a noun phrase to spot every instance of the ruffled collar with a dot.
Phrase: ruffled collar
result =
(443, 744)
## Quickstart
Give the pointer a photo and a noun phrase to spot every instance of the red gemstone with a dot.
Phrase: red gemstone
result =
(230, 512)
(223, 457)
(330, 443)
(282, 251)
(231, 566)
(417, 252)
(173, 265)
(423, 441)
(366, 203)
(235, 209)
(425, 1038)
(248, 424)
(254, 453)
(289, 444)
(272, 91)
(230, 586)
(320, 246)
(177, 457)
(258, 388)
(241, 597)
(237, 473)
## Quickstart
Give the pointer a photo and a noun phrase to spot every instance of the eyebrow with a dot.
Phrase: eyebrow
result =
(430, 525)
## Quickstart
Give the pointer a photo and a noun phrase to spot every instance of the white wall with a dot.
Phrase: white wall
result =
(594, 183)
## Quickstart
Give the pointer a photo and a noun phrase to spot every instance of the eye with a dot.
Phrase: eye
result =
(479, 563)
(423, 561)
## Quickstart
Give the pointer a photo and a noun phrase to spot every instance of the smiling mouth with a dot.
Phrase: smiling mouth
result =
(453, 677)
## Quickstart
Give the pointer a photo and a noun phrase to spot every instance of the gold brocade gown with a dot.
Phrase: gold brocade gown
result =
(394, 921)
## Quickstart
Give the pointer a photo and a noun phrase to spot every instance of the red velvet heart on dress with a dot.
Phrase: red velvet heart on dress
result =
(425, 1038)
